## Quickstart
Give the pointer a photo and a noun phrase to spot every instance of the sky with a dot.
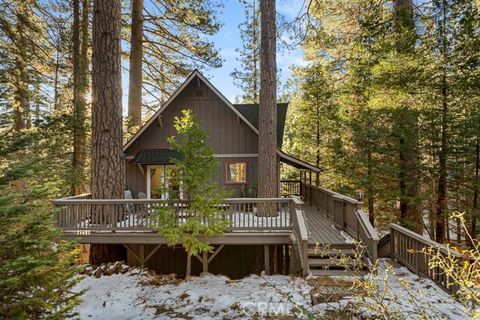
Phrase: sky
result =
(228, 39)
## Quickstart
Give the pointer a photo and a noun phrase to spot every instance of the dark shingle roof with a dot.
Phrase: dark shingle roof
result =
(156, 156)
(250, 111)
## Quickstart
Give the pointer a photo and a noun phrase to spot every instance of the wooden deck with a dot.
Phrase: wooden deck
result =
(320, 228)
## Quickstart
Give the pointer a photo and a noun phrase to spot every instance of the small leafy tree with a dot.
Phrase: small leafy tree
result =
(202, 216)
(464, 274)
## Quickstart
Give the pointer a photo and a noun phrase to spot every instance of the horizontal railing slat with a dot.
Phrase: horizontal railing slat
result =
(135, 214)
(407, 247)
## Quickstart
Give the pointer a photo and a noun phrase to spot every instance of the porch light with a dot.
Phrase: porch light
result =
(360, 194)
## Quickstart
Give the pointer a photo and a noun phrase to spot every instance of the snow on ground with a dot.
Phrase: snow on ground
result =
(129, 296)
(400, 294)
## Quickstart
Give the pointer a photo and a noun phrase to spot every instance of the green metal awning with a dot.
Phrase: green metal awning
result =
(156, 156)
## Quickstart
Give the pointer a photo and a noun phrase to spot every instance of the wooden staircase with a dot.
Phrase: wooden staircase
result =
(335, 260)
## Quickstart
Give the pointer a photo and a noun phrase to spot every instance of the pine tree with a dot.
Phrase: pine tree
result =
(197, 166)
(175, 42)
(36, 273)
(81, 44)
(135, 71)
(267, 139)
(108, 165)
(247, 78)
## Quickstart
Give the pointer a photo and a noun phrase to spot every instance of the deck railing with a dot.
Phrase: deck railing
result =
(290, 188)
(345, 212)
(407, 247)
(81, 213)
(300, 231)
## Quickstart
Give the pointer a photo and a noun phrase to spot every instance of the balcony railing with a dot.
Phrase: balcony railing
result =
(256, 214)
(290, 188)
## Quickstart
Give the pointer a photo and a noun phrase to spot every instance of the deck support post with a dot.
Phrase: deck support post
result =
(134, 254)
(392, 244)
(310, 184)
(142, 255)
(152, 253)
(275, 259)
(205, 261)
(266, 253)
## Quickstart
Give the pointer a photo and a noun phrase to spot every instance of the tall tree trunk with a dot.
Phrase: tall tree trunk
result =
(442, 179)
(108, 167)
(370, 189)
(21, 95)
(476, 187)
(267, 141)
(107, 154)
(409, 171)
(135, 74)
(80, 84)
(57, 73)
(38, 100)
(254, 55)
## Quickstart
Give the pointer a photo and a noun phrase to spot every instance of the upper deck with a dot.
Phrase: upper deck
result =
(310, 215)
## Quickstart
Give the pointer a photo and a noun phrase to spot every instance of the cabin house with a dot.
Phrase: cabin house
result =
(281, 243)
(233, 134)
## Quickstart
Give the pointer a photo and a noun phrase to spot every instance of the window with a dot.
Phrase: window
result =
(236, 172)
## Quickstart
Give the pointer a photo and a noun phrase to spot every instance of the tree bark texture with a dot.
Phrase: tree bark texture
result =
(255, 51)
(267, 142)
(107, 137)
(135, 73)
(441, 212)
(21, 98)
(80, 85)
(107, 141)
(476, 187)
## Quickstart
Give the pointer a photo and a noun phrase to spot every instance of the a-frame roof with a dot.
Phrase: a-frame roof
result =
(190, 78)
(242, 115)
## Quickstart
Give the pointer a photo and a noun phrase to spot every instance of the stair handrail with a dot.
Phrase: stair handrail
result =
(367, 234)
(355, 223)
(300, 231)
(410, 249)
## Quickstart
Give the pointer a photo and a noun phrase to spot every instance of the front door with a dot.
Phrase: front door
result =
(163, 182)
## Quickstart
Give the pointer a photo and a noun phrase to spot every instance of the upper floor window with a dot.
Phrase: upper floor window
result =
(236, 172)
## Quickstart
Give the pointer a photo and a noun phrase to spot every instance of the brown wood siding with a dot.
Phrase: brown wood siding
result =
(227, 133)
(135, 180)
(235, 261)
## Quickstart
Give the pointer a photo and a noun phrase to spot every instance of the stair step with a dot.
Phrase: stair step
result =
(331, 252)
(330, 272)
(328, 262)
(339, 246)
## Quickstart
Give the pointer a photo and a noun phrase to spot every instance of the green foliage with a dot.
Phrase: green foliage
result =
(203, 215)
(380, 84)
(462, 274)
(176, 41)
(36, 273)
(248, 78)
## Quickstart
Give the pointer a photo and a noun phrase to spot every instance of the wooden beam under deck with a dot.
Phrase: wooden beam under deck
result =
(240, 238)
